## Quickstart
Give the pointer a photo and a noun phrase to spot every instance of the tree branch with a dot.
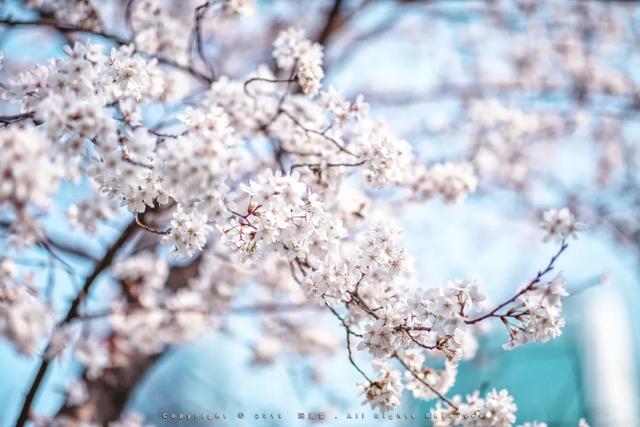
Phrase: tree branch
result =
(331, 23)
(64, 28)
(197, 36)
(71, 314)
(527, 288)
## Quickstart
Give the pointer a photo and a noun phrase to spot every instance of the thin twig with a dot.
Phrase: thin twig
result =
(330, 165)
(527, 288)
(65, 28)
(315, 132)
(426, 384)
(148, 228)
(349, 332)
(246, 84)
(70, 249)
(199, 13)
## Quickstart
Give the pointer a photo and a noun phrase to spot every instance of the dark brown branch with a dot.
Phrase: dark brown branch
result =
(197, 37)
(330, 165)
(110, 392)
(332, 23)
(16, 118)
(246, 84)
(71, 314)
(144, 226)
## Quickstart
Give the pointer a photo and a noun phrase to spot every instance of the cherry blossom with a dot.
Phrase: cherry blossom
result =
(262, 185)
(188, 233)
(291, 48)
(24, 318)
(560, 224)
(495, 409)
(384, 393)
(23, 152)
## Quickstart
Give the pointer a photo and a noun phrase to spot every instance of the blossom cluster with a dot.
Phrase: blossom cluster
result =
(391, 318)
(23, 152)
(501, 135)
(143, 276)
(387, 159)
(495, 409)
(70, 97)
(537, 316)
(24, 318)
(378, 265)
(291, 48)
(195, 166)
(153, 316)
(426, 382)
(385, 392)
(157, 31)
(453, 181)
(87, 214)
(254, 185)
(399, 316)
(279, 213)
(560, 224)
(82, 13)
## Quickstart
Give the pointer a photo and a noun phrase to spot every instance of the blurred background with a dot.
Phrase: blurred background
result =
(541, 96)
